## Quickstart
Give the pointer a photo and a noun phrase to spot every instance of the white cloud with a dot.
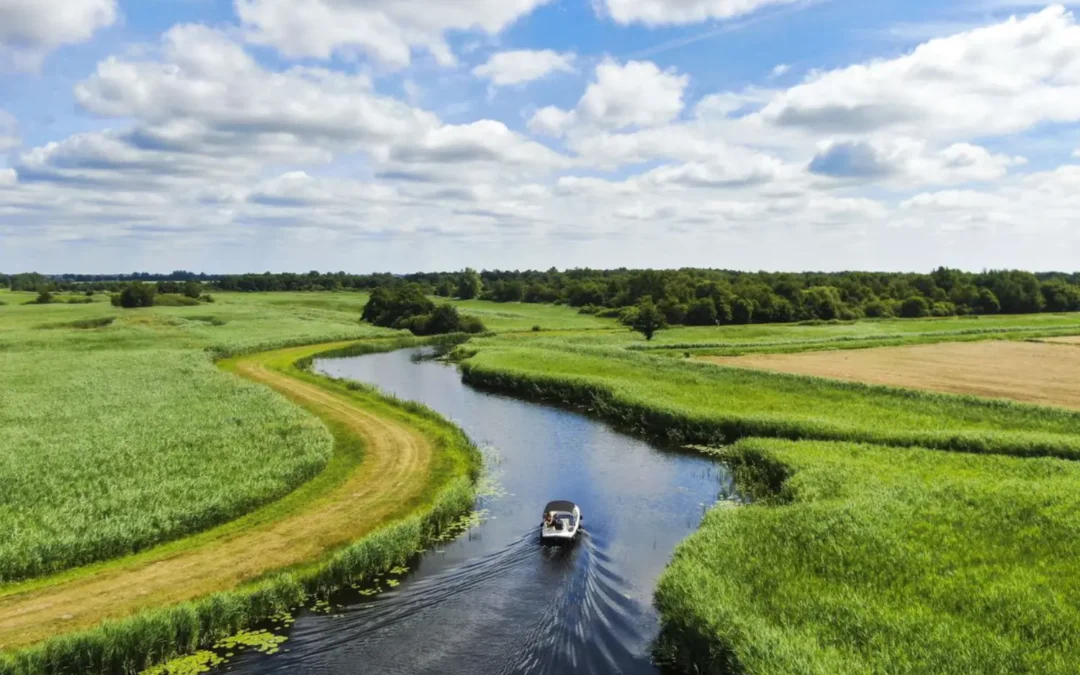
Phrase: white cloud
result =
(780, 70)
(517, 67)
(999, 79)
(208, 89)
(637, 94)
(909, 161)
(658, 12)
(387, 30)
(30, 29)
(550, 121)
(9, 131)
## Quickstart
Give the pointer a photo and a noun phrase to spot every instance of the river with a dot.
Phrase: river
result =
(495, 601)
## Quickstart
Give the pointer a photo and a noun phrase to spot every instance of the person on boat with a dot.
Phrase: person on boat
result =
(549, 519)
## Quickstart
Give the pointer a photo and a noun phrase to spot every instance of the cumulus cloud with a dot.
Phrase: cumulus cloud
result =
(998, 79)
(517, 67)
(659, 12)
(634, 94)
(207, 89)
(30, 29)
(909, 161)
(388, 30)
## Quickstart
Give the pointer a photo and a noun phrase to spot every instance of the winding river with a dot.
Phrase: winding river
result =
(496, 601)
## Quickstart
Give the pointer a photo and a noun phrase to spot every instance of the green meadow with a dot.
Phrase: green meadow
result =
(863, 559)
(888, 531)
(117, 432)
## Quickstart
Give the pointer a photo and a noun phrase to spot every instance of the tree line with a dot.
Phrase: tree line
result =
(683, 297)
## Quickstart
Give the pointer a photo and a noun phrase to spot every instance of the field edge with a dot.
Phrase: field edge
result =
(157, 635)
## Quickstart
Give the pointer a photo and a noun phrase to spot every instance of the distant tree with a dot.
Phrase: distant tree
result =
(44, 297)
(407, 308)
(742, 312)
(702, 312)
(915, 307)
(986, 302)
(469, 285)
(876, 309)
(1060, 296)
(822, 302)
(136, 294)
(648, 318)
(192, 289)
(445, 288)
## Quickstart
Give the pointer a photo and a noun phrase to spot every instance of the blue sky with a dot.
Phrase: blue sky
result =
(250, 135)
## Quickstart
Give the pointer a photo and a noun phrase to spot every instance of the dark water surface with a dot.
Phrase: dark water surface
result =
(495, 600)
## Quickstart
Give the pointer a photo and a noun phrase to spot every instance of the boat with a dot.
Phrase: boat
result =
(561, 523)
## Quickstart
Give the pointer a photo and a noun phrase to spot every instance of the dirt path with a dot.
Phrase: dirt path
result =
(394, 470)
(1045, 374)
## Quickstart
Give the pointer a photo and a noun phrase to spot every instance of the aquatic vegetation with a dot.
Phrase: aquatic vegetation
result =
(865, 559)
(262, 641)
(199, 662)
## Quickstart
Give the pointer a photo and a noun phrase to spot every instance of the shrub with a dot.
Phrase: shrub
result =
(536, 329)
(915, 307)
(43, 298)
(135, 295)
(207, 298)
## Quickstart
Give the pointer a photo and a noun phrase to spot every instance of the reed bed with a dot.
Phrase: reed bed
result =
(864, 559)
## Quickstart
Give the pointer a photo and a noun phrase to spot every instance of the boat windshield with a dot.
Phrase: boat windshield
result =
(563, 519)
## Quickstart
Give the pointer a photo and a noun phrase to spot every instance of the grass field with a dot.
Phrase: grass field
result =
(1042, 373)
(855, 558)
(881, 560)
(122, 435)
(729, 403)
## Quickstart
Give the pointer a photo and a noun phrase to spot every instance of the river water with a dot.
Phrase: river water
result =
(496, 601)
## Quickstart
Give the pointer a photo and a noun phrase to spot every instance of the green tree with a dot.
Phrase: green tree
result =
(701, 313)
(44, 297)
(986, 302)
(445, 288)
(136, 294)
(742, 312)
(915, 307)
(192, 289)
(647, 319)
(822, 302)
(469, 285)
(1060, 296)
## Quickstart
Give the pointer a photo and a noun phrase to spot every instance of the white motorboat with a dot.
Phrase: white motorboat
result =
(561, 524)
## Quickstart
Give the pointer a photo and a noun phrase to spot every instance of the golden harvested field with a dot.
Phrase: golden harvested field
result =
(1068, 340)
(1041, 373)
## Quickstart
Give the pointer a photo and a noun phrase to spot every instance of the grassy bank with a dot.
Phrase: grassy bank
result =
(688, 402)
(130, 644)
(862, 559)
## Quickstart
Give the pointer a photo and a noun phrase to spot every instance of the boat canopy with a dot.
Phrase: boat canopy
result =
(565, 506)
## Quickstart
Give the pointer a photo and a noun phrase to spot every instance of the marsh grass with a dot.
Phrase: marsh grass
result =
(863, 559)
(697, 403)
(131, 645)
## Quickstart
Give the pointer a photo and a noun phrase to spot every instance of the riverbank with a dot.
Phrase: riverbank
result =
(876, 556)
(392, 463)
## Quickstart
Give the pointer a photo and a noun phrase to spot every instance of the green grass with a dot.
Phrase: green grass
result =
(158, 635)
(862, 559)
(117, 432)
(109, 454)
(501, 317)
(702, 403)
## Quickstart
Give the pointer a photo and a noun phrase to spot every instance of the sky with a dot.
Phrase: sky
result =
(229, 136)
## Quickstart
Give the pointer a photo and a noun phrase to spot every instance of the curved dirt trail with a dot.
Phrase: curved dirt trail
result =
(394, 470)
